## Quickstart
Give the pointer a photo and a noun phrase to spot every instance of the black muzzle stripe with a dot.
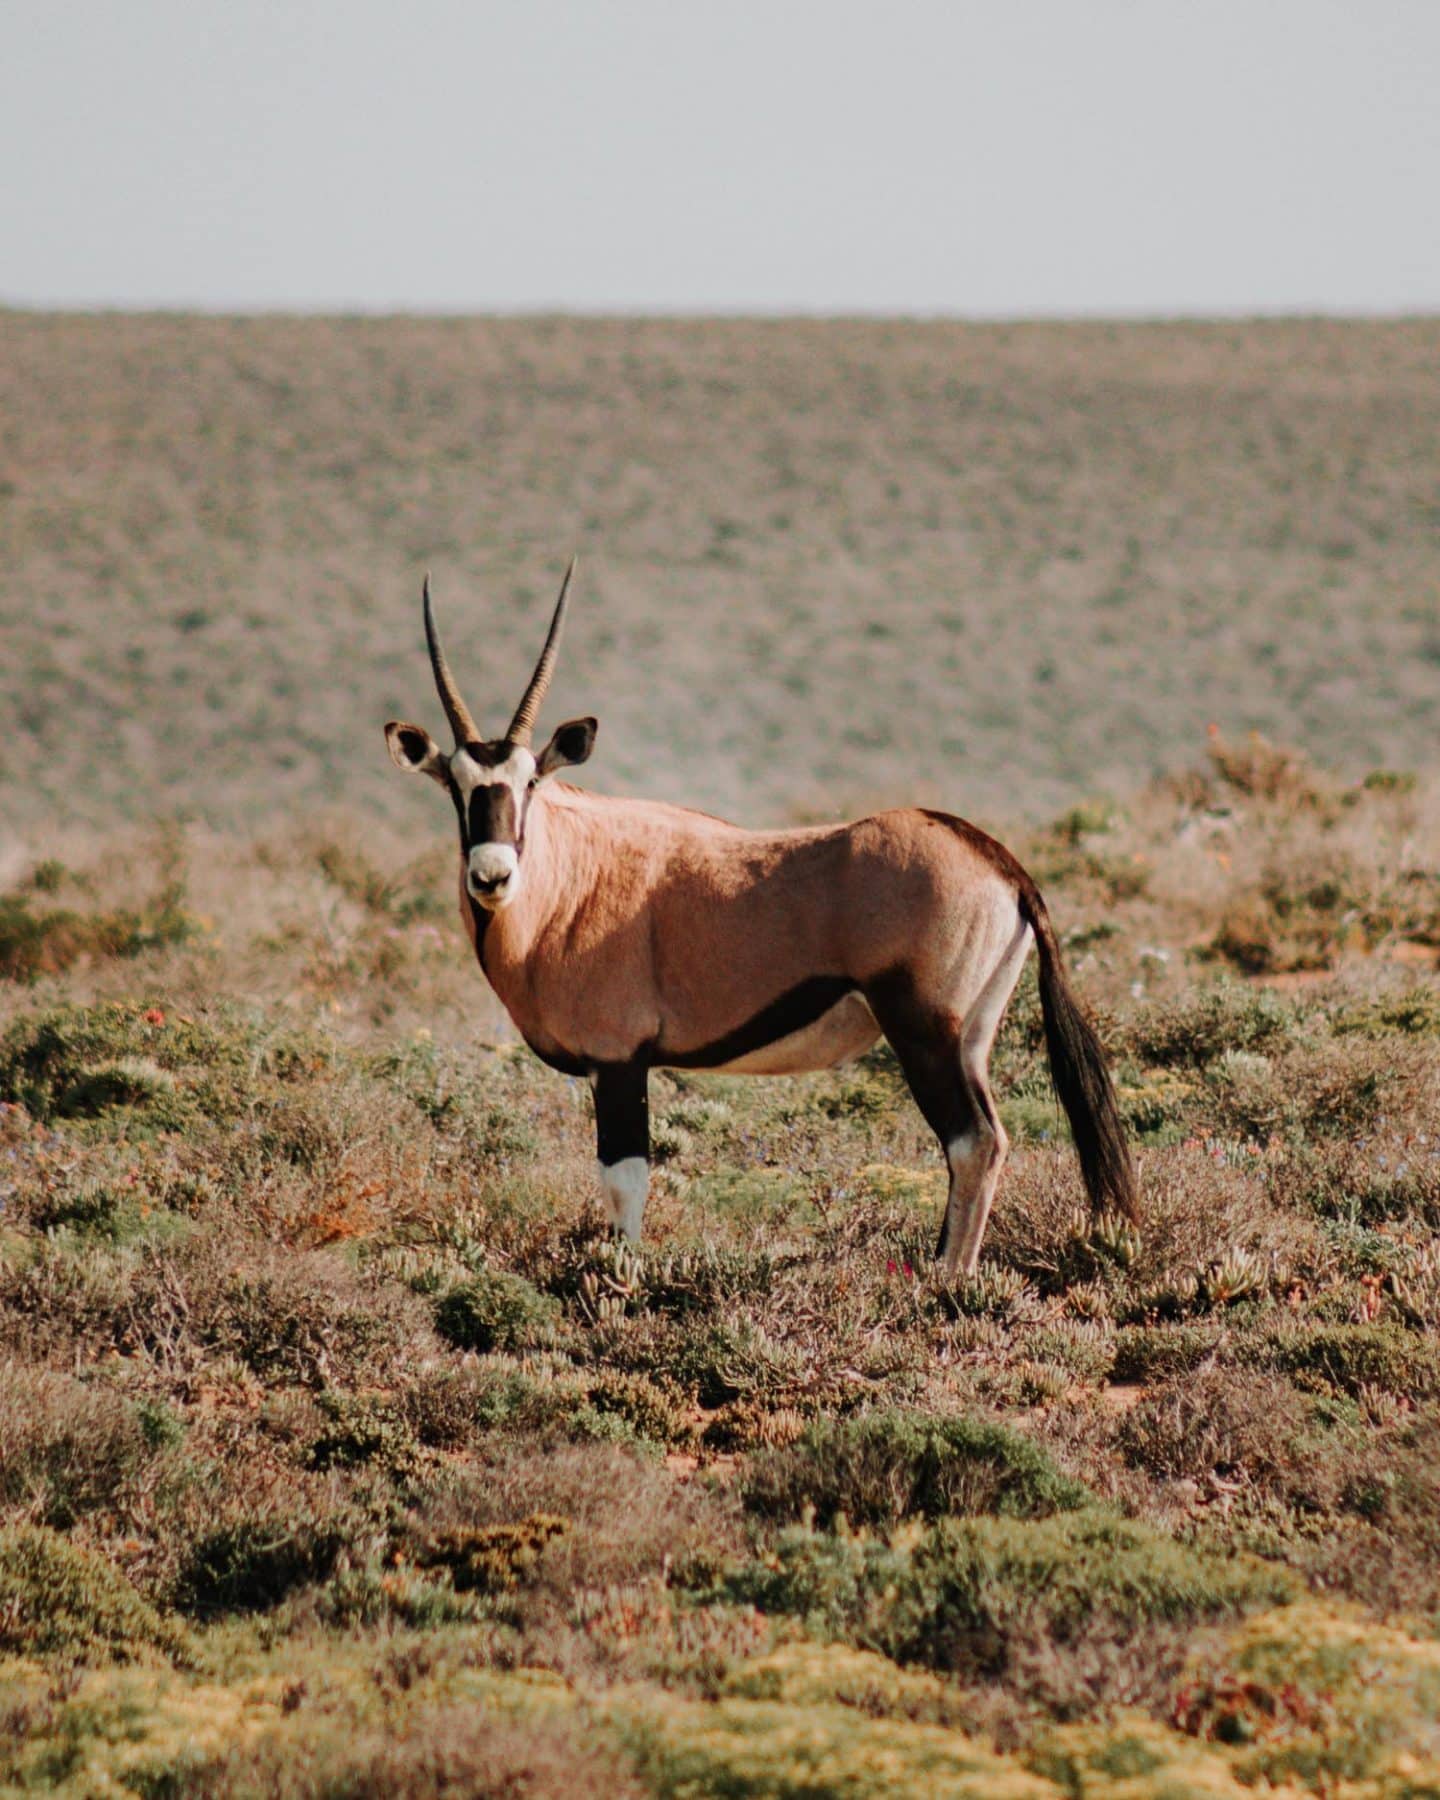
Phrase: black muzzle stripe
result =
(492, 816)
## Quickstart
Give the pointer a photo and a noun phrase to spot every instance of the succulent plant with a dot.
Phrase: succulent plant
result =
(992, 1293)
(1114, 1240)
(1087, 1300)
(607, 1292)
(1235, 1276)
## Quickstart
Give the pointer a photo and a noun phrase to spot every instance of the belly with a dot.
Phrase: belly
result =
(844, 1030)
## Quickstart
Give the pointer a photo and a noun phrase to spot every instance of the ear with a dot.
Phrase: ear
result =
(572, 743)
(412, 748)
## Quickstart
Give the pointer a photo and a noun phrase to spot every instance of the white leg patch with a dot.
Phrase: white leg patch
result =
(974, 1168)
(626, 1186)
(960, 1149)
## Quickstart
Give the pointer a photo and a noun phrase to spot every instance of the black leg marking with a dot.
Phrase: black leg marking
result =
(927, 1047)
(622, 1112)
(622, 1135)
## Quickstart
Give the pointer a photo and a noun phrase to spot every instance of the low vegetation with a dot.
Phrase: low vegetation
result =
(342, 1451)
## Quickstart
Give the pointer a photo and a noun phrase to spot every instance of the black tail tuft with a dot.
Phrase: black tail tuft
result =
(1081, 1077)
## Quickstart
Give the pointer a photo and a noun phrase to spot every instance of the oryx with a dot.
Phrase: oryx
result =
(628, 935)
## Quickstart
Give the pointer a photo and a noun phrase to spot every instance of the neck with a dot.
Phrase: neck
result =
(555, 873)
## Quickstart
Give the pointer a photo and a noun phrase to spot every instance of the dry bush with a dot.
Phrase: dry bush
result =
(1197, 1210)
(882, 1467)
(57, 1298)
(1360, 1085)
(1387, 1179)
(300, 1315)
(1227, 1422)
(1204, 1023)
(39, 937)
(67, 1448)
(444, 1752)
(628, 1521)
(1264, 771)
(1389, 1558)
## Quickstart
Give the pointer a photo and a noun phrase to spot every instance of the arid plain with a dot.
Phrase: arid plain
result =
(341, 1453)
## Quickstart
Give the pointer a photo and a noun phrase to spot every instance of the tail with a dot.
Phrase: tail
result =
(1081, 1077)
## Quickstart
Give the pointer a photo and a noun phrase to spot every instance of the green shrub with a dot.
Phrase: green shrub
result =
(649, 1412)
(1084, 1350)
(972, 1593)
(160, 1426)
(252, 1564)
(363, 1430)
(979, 1587)
(1416, 1012)
(143, 1065)
(496, 1310)
(453, 1407)
(1153, 1352)
(1350, 1358)
(1206, 1022)
(59, 1600)
(491, 1559)
(46, 943)
(708, 1279)
(724, 1360)
(886, 1466)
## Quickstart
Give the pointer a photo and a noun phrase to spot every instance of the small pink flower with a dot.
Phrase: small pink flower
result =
(154, 1016)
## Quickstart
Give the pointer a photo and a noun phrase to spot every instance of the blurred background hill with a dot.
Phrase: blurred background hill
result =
(826, 565)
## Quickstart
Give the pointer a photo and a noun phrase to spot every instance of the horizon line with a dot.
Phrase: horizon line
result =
(740, 314)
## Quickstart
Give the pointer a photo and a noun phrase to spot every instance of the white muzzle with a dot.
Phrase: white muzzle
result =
(492, 874)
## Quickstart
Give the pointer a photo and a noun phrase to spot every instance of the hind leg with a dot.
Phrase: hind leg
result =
(946, 1064)
(971, 1198)
(929, 1047)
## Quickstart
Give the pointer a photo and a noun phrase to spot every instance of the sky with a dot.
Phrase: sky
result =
(1013, 158)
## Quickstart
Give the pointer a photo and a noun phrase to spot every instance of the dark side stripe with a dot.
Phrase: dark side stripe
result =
(801, 1006)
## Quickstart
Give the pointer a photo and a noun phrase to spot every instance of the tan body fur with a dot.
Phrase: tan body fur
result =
(643, 927)
(627, 935)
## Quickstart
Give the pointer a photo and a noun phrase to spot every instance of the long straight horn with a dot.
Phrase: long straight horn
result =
(456, 711)
(523, 724)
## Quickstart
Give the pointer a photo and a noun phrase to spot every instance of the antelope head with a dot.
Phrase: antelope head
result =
(492, 781)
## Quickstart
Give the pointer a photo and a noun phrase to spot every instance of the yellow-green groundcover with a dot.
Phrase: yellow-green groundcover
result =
(1301, 1701)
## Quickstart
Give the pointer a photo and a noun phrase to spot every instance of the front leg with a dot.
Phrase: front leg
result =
(622, 1133)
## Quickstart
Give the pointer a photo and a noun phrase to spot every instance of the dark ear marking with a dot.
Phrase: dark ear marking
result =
(413, 749)
(572, 743)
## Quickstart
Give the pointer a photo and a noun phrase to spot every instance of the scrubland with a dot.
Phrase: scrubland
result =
(343, 1453)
